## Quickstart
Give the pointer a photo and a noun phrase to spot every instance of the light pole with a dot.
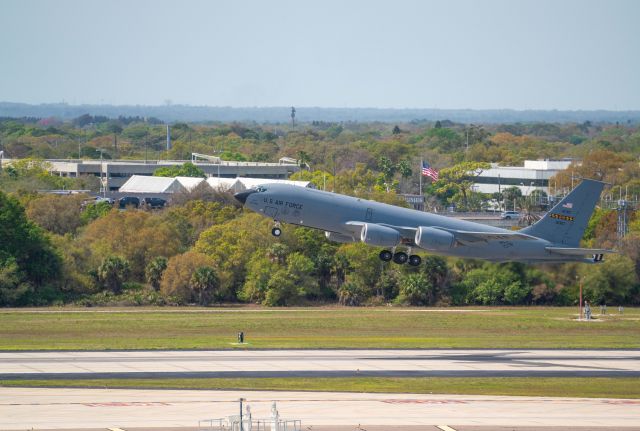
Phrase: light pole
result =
(580, 297)
(102, 184)
(531, 186)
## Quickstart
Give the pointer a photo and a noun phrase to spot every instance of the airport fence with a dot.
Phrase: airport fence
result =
(233, 423)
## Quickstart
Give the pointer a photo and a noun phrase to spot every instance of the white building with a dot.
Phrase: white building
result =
(116, 172)
(224, 184)
(247, 183)
(534, 175)
(151, 185)
(162, 186)
(189, 183)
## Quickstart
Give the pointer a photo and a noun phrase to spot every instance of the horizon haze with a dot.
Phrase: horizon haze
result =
(460, 54)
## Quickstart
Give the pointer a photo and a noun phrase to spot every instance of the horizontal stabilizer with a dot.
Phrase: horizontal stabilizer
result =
(578, 251)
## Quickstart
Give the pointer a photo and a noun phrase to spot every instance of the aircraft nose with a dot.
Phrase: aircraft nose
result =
(242, 196)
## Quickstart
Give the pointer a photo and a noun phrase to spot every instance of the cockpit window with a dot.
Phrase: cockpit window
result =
(260, 189)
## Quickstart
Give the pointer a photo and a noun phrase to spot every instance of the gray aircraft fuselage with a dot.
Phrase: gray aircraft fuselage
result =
(336, 213)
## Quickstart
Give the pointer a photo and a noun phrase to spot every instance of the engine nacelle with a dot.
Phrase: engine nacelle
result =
(338, 237)
(434, 239)
(380, 236)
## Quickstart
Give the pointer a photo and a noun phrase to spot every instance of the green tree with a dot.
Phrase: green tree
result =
(388, 285)
(278, 252)
(611, 281)
(154, 270)
(260, 269)
(388, 170)
(352, 294)
(177, 279)
(300, 270)
(187, 169)
(25, 245)
(359, 265)
(414, 289)
(204, 283)
(12, 283)
(488, 292)
(281, 290)
(459, 178)
(437, 272)
(94, 211)
(511, 196)
(496, 284)
(232, 244)
(113, 272)
(444, 139)
(137, 236)
(321, 179)
(57, 214)
(303, 159)
(404, 168)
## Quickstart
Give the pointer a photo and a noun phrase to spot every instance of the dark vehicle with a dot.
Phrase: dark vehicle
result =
(128, 201)
(154, 202)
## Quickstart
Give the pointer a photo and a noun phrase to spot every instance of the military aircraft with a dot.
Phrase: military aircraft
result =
(554, 238)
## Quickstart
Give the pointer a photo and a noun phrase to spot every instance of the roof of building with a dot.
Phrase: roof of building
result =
(253, 182)
(189, 183)
(222, 183)
(148, 184)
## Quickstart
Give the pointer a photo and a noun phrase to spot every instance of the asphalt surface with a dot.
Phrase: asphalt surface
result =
(319, 363)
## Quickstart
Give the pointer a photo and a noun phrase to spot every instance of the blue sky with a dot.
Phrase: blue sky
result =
(491, 54)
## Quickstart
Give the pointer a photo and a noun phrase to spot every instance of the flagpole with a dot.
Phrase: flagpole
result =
(420, 171)
(420, 175)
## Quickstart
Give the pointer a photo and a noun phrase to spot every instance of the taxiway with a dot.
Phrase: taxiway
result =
(319, 363)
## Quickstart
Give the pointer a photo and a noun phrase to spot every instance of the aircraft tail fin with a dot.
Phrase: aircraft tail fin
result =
(566, 222)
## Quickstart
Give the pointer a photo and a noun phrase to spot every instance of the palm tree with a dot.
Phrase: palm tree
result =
(112, 272)
(204, 282)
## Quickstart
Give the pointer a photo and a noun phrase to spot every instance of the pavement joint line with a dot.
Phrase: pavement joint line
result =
(445, 428)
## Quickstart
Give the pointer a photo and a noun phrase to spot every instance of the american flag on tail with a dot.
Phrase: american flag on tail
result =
(428, 171)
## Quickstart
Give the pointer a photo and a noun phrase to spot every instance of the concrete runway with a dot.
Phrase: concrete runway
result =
(37, 408)
(319, 363)
(24, 408)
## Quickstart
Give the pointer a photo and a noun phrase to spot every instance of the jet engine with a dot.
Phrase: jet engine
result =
(338, 237)
(434, 239)
(378, 235)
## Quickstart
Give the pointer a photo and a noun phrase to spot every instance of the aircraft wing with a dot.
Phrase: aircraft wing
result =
(565, 251)
(471, 237)
(461, 236)
(355, 227)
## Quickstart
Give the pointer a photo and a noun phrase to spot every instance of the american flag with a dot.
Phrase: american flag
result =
(428, 171)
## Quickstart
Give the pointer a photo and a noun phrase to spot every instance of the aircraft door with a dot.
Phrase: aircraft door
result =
(369, 215)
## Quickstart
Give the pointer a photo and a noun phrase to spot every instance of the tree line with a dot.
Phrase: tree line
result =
(204, 249)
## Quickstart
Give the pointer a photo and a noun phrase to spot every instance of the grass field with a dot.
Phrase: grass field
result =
(216, 328)
(528, 386)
